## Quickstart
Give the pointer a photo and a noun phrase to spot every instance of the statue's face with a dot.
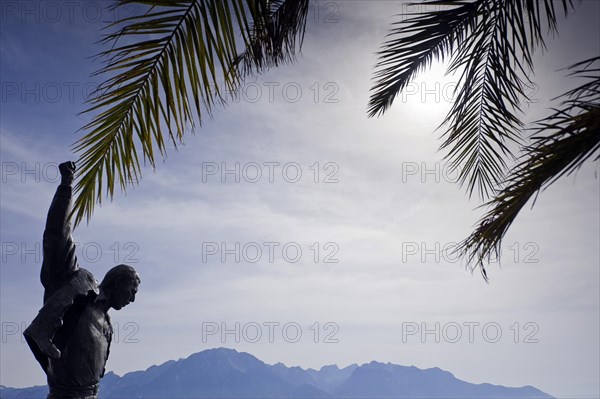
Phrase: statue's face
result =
(124, 293)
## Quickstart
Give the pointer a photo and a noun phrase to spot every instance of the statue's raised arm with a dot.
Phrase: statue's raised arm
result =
(60, 261)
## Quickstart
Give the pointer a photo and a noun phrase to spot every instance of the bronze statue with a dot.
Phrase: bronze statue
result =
(71, 335)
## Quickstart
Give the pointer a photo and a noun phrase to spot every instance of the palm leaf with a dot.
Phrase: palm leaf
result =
(166, 67)
(563, 142)
(415, 42)
(274, 40)
(491, 42)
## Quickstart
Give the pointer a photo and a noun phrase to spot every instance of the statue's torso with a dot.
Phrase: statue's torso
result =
(84, 341)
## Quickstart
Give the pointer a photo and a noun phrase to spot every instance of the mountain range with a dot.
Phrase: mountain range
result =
(227, 373)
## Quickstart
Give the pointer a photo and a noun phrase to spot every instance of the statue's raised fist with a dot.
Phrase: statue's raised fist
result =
(67, 168)
(67, 171)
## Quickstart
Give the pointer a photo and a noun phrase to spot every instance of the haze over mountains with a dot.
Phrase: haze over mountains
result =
(227, 373)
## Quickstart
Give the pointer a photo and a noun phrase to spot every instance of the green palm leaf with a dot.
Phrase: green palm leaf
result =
(563, 142)
(175, 62)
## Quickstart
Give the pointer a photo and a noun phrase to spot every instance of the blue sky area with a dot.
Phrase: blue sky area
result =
(351, 216)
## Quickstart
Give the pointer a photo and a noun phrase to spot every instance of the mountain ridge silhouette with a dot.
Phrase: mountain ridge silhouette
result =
(227, 373)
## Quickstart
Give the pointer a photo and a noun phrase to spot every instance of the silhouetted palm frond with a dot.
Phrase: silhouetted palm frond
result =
(165, 67)
(491, 43)
(563, 142)
(274, 40)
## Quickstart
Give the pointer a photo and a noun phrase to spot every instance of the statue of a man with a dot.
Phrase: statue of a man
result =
(71, 335)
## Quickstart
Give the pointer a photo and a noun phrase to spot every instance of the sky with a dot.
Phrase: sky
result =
(292, 226)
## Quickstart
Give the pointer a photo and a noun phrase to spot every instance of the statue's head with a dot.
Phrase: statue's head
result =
(119, 286)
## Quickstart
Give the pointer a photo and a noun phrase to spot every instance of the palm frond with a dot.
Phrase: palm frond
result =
(414, 43)
(562, 143)
(492, 42)
(164, 68)
(274, 40)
